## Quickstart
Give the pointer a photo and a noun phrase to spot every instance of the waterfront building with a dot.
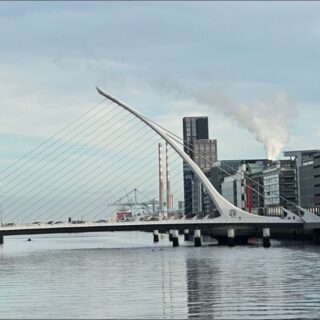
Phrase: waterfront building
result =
(316, 167)
(203, 151)
(231, 189)
(241, 182)
(304, 160)
(280, 187)
(306, 184)
(224, 169)
(309, 183)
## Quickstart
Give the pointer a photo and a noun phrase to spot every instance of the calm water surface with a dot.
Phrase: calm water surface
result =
(124, 275)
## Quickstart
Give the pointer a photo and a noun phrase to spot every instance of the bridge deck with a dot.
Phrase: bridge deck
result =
(162, 226)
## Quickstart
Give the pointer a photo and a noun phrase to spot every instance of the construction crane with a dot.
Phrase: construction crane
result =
(130, 201)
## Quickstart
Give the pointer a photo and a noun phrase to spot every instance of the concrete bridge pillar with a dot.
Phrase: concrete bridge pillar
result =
(197, 238)
(170, 235)
(155, 236)
(231, 236)
(186, 235)
(266, 237)
(175, 238)
(316, 236)
(1, 239)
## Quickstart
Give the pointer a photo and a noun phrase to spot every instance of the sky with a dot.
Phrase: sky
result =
(251, 67)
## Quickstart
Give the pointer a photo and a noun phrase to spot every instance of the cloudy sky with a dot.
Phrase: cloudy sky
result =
(252, 67)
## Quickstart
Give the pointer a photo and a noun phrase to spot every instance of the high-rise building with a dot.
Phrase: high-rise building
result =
(203, 151)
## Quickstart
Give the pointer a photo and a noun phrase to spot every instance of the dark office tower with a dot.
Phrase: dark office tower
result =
(204, 152)
(194, 128)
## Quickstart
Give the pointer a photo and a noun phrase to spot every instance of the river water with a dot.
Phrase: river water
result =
(125, 275)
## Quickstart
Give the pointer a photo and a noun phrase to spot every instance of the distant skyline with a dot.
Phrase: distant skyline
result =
(224, 60)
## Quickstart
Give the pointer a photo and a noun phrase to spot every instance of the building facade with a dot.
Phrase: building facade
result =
(306, 185)
(232, 189)
(316, 167)
(203, 151)
(247, 175)
(280, 187)
(309, 183)
(304, 160)
(224, 169)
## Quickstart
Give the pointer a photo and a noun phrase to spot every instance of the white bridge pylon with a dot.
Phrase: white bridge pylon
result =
(229, 213)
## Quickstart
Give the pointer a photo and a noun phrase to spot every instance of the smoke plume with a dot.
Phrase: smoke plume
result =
(268, 120)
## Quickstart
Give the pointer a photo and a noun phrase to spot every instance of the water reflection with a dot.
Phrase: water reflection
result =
(127, 276)
(202, 286)
(254, 283)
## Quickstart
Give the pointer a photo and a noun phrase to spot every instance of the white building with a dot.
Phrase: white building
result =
(280, 186)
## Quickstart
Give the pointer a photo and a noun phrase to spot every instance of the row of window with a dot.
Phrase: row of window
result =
(272, 193)
(271, 173)
(273, 187)
(272, 200)
(271, 180)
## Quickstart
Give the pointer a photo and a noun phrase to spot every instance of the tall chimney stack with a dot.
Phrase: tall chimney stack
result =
(169, 197)
(161, 194)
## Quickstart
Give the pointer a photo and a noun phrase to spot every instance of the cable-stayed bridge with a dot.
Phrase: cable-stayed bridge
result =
(75, 174)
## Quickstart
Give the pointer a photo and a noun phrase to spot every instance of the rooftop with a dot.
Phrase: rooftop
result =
(300, 152)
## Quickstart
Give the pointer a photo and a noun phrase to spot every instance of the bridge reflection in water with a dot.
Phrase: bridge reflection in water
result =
(123, 275)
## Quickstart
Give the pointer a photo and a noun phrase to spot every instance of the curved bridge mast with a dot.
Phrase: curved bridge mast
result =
(227, 210)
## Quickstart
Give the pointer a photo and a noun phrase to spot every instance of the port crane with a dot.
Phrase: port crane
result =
(130, 201)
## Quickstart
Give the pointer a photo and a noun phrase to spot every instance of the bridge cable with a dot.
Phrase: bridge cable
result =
(153, 182)
(59, 147)
(56, 157)
(82, 179)
(66, 166)
(99, 150)
(139, 123)
(48, 139)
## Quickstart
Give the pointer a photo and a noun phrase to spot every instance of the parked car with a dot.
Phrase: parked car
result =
(102, 221)
(9, 224)
(77, 221)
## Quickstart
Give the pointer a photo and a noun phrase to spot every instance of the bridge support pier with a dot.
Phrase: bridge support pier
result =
(170, 235)
(266, 237)
(155, 236)
(175, 238)
(316, 236)
(1, 239)
(231, 236)
(186, 235)
(197, 238)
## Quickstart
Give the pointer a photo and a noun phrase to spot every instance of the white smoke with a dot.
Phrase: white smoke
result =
(268, 121)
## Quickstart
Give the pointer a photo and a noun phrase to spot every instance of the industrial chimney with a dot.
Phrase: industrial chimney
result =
(169, 197)
(161, 194)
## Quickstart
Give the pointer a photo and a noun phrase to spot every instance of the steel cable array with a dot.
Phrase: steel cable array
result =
(104, 148)
(34, 192)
